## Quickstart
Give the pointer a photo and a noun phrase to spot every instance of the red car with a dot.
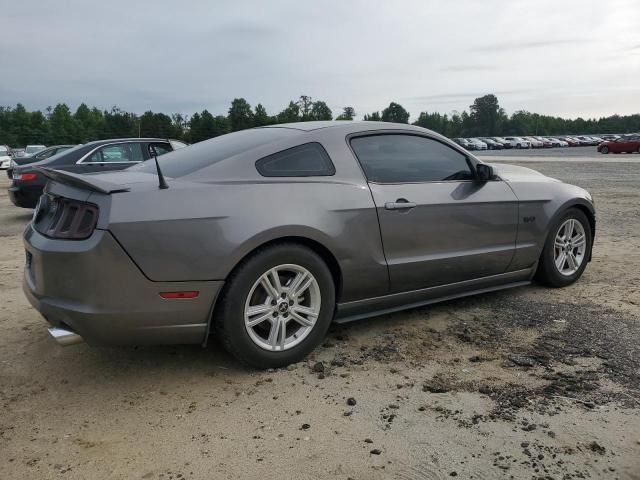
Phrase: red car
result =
(626, 144)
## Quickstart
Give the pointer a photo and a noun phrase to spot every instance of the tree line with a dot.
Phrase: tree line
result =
(59, 125)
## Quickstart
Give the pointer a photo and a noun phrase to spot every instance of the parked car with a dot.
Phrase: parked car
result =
(557, 142)
(463, 142)
(517, 142)
(17, 152)
(265, 236)
(572, 142)
(480, 145)
(5, 157)
(31, 149)
(492, 144)
(534, 142)
(588, 141)
(625, 144)
(505, 143)
(546, 143)
(42, 154)
(581, 142)
(99, 156)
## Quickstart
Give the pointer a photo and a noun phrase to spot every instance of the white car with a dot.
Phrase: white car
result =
(557, 142)
(5, 158)
(517, 142)
(534, 142)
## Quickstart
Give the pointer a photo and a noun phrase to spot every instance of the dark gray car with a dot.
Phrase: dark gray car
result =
(265, 236)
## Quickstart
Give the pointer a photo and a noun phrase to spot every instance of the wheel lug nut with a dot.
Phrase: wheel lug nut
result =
(275, 314)
(284, 295)
(273, 302)
(290, 302)
(285, 315)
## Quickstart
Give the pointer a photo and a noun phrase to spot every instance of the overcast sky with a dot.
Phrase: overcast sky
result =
(562, 57)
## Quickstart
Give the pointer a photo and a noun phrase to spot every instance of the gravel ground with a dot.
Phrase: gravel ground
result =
(527, 383)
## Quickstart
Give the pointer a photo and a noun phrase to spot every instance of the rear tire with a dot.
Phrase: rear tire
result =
(295, 319)
(565, 237)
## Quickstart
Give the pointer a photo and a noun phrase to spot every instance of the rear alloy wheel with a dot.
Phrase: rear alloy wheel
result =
(604, 150)
(276, 306)
(566, 251)
(282, 307)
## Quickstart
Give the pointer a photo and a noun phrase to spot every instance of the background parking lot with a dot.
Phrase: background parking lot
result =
(528, 383)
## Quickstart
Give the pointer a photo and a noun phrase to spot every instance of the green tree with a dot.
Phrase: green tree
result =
(373, 117)
(62, 128)
(486, 116)
(348, 113)
(260, 116)
(240, 115)
(395, 113)
(89, 124)
(433, 121)
(120, 124)
(306, 104)
(320, 111)
(290, 114)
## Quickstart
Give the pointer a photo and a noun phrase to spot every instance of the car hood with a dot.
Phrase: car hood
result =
(514, 173)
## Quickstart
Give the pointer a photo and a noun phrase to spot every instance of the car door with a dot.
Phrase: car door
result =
(111, 157)
(438, 224)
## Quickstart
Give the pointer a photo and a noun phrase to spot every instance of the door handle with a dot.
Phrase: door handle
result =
(399, 204)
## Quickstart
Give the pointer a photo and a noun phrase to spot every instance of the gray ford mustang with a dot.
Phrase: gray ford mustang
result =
(264, 237)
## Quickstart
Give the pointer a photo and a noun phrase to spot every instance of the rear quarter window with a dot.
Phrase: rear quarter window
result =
(308, 160)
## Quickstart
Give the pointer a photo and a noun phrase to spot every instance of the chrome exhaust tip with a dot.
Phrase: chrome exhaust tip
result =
(64, 337)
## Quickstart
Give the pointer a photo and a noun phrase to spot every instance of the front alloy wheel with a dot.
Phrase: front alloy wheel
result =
(566, 250)
(569, 247)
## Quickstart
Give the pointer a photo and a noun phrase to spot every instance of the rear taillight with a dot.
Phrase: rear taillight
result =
(65, 218)
(25, 177)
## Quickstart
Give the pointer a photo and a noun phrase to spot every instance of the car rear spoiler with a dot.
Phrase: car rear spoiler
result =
(88, 182)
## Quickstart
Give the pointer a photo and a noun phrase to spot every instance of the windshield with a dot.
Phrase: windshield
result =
(4, 152)
(203, 154)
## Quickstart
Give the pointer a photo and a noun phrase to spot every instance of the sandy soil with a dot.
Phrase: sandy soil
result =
(528, 383)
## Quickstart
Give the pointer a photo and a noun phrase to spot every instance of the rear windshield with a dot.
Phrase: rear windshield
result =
(202, 154)
(34, 149)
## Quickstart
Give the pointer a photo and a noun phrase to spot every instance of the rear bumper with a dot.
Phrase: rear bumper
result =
(92, 288)
(25, 197)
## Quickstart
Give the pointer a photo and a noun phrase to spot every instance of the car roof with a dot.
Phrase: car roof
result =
(350, 125)
(133, 139)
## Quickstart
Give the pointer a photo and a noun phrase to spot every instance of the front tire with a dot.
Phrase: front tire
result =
(566, 251)
(276, 306)
(604, 150)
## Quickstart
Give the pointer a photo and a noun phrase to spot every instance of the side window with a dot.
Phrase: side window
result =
(308, 160)
(159, 149)
(123, 152)
(409, 159)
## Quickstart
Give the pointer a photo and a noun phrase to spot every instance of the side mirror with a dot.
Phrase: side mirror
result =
(484, 172)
